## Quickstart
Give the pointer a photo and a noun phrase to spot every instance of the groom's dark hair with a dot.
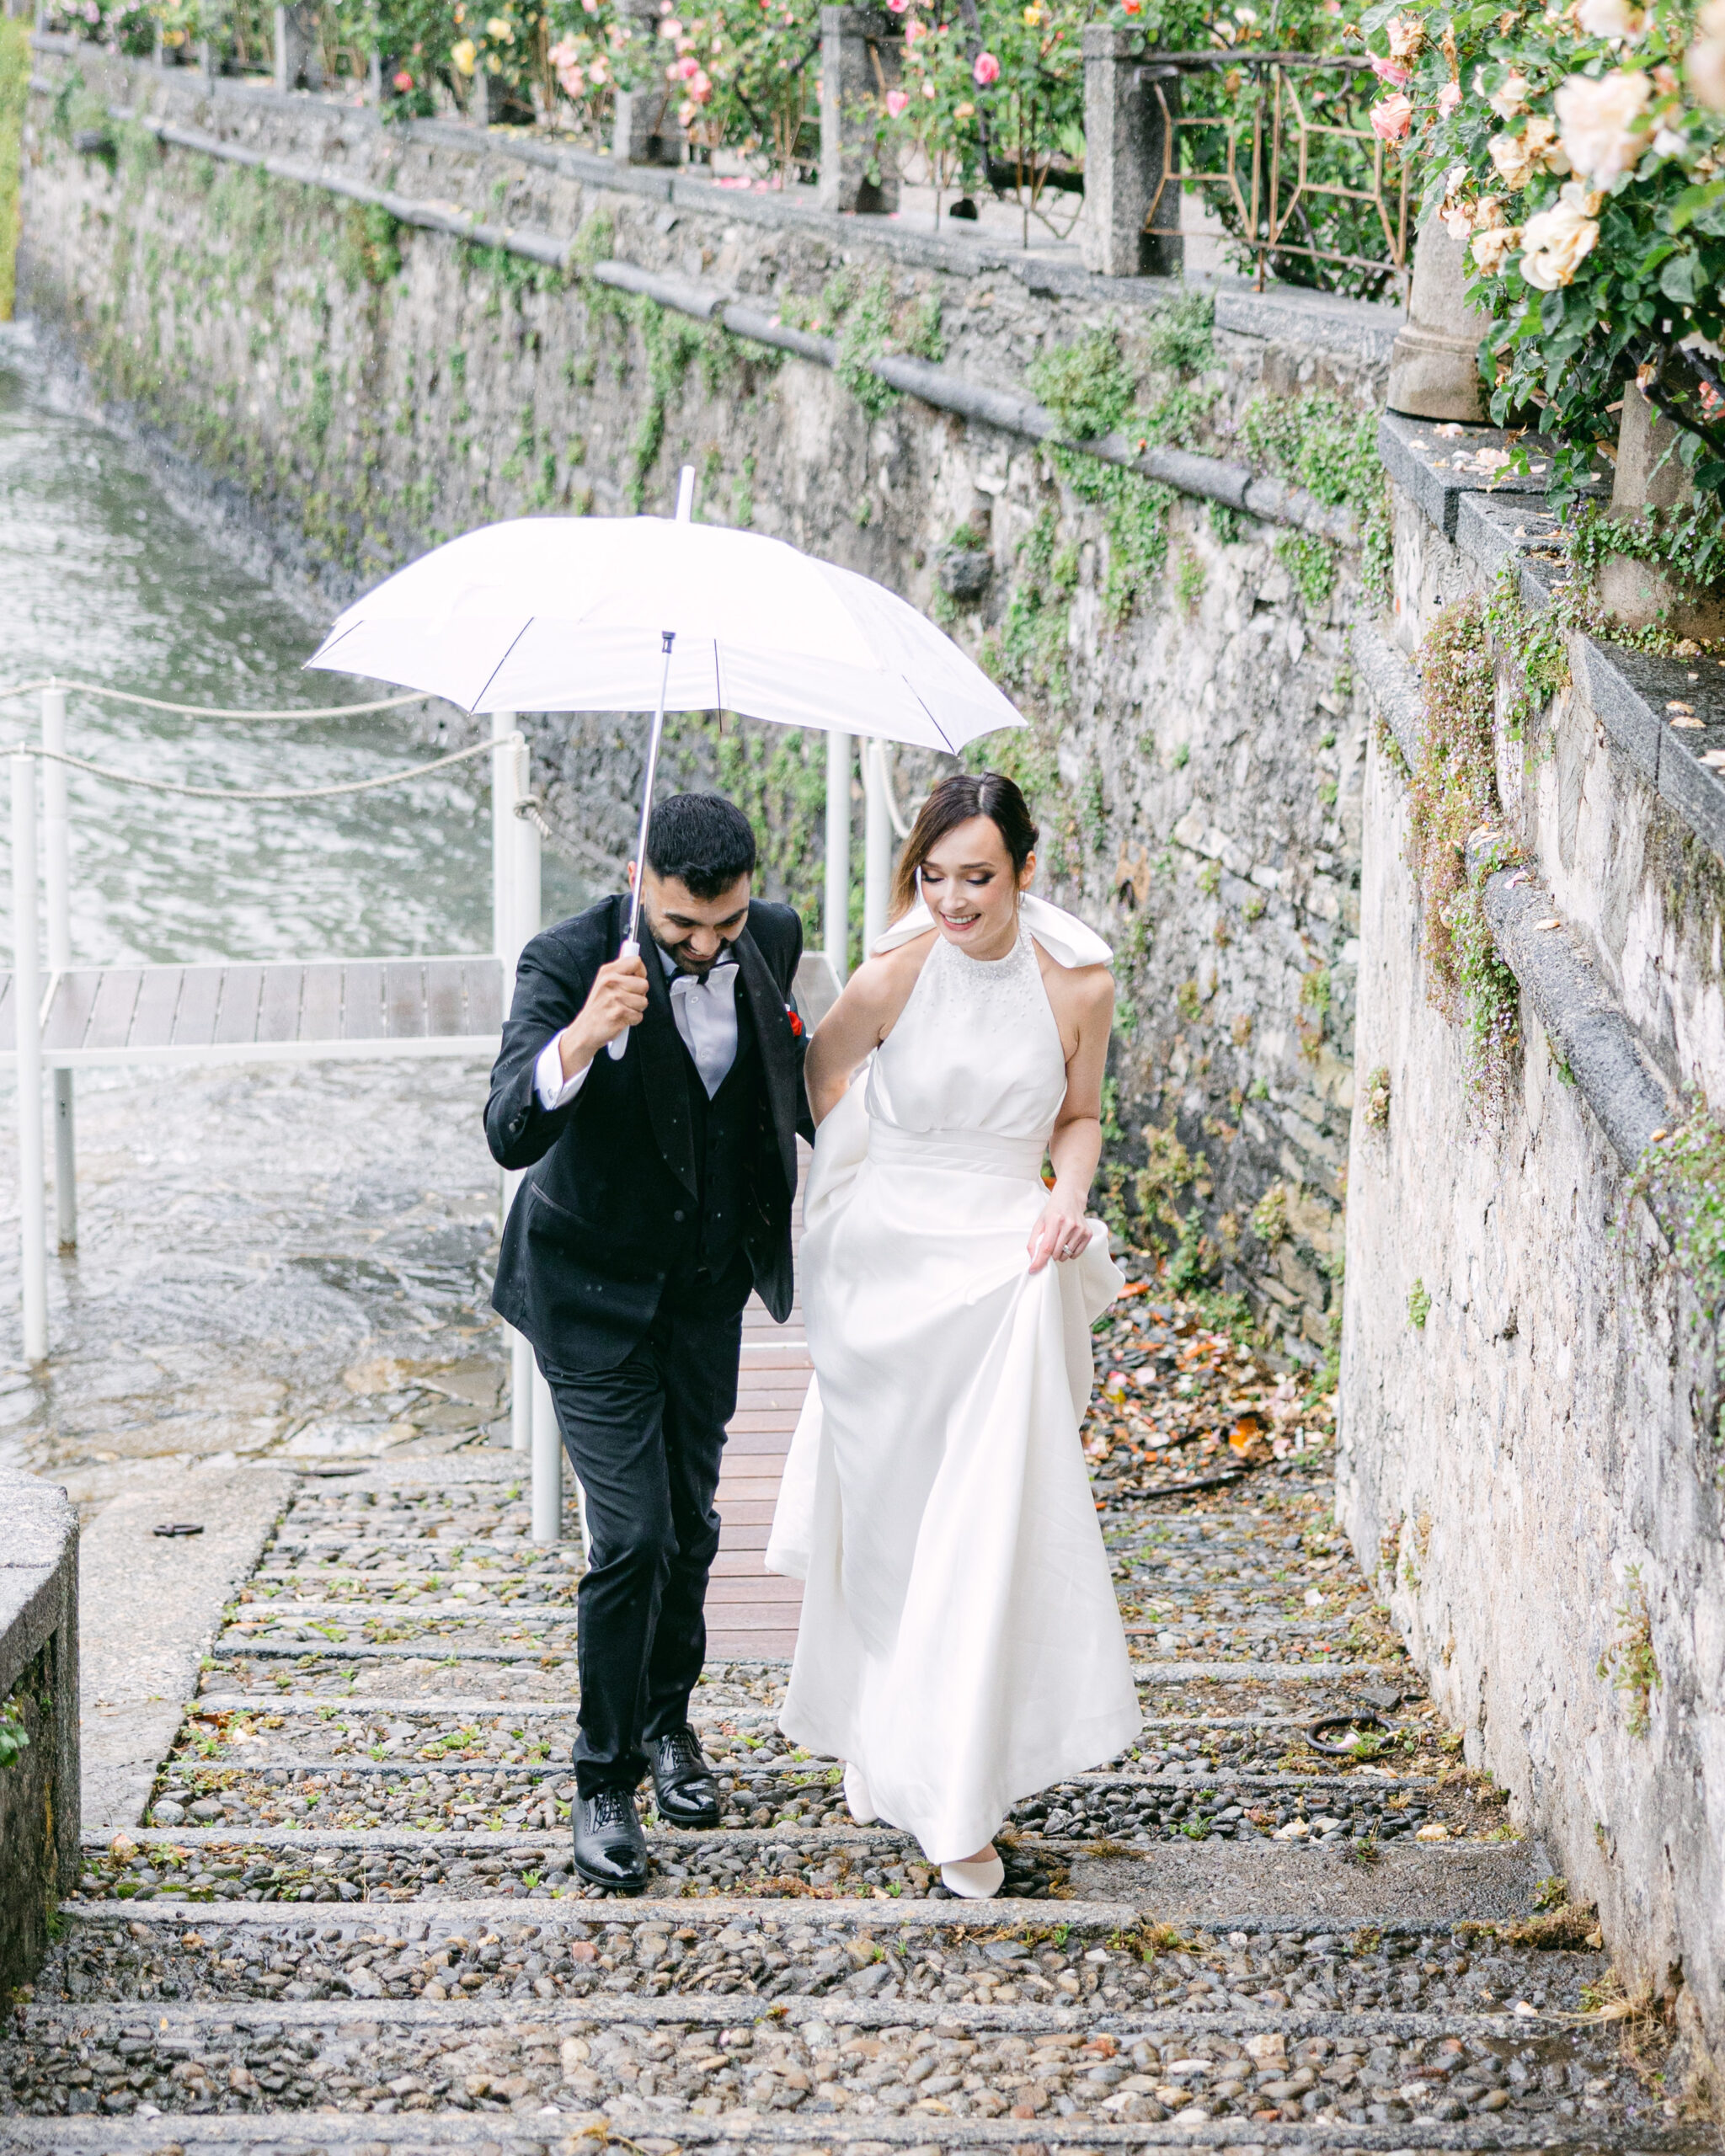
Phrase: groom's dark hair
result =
(701, 839)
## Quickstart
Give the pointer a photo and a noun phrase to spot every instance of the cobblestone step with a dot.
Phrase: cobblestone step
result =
(1189, 1953)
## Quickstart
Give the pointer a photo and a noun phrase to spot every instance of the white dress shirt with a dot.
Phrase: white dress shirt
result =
(706, 1015)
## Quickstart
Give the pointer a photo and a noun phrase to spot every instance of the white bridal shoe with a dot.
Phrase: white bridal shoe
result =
(857, 1796)
(975, 1881)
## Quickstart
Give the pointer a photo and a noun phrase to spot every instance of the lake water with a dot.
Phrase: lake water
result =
(101, 579)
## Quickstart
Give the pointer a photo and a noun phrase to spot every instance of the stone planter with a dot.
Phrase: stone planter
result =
(1434, 366)
(1651, 475)
(38, 1790)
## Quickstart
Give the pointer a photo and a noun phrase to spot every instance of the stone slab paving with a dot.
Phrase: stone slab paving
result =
(1287, 1918)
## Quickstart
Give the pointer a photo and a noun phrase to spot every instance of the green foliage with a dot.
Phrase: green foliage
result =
(1030, 652)
(14, 1737)
(1628, 1664)
(1376, 1102)
(1317, 442)
(777, 776)
(1682, 1176)
(1310, 561)
(1686, 543)
(14, 96)
(1182, 337)
(1087, 385)
(1452, 793)
(1270, 1216)
(369, 252)
(1534, 644)
(1419, 1305)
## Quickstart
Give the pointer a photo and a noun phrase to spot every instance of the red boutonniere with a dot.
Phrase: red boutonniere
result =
(796, 1023)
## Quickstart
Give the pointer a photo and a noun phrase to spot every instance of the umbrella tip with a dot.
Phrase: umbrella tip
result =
(686, 494)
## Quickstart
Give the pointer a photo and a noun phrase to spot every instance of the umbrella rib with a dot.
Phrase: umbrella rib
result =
(502, 662)
(932, 720)
(718, 679)
(329, 643)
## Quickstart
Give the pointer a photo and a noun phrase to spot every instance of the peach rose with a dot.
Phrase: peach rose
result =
(1391, 118)
(1705, 65)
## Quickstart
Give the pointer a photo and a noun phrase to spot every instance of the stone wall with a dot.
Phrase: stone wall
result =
(1530, 1396)
(353, 389)
(39, 1703)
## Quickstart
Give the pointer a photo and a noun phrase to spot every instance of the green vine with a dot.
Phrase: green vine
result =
(1451, 794)
(1311, 562)
(1681, 1175)
(1629, 1665)
(1687, 542)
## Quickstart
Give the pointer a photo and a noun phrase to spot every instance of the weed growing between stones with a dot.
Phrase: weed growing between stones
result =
(1319, 443)
(1452, 793)
(1686, 541)
(1419, 1305)
(1628, 1665)
(1377, 1099)
(1311, 562)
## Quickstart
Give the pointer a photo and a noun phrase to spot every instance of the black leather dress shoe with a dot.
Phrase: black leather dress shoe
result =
(610, 1850)
(682, 1781)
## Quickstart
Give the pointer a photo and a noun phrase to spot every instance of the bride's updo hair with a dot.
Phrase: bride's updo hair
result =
(953, 802)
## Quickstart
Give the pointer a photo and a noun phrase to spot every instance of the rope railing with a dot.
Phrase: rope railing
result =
(207, 710)
(251, 793)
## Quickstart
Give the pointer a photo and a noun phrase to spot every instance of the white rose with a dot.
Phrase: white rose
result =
(1494, 246)
(1458, 221)
(1610, 19)
(1518, 157)
(1555, 242)
(1511, 96)
(1597, 122)
(1705, 65)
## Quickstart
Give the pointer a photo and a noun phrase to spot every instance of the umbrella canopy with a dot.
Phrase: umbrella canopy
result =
(571, 614)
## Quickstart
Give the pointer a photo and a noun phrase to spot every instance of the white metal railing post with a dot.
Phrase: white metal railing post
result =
(547, 1463)
(521, 1374)
(836, 923)
(504, 773)
(877, 844)
(57, 890)
(529, 891)
(27, 1009)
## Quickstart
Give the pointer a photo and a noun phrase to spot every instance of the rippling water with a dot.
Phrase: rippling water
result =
(101, 579)
(256, 1243)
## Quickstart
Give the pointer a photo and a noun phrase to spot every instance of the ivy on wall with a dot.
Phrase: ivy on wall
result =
(14, 93)
(1452, 793)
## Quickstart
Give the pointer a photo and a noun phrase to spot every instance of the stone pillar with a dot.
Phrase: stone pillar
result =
(1129, 108)
(646, 129)
(859, 61)
(1651, 474)
(297, 63)
(1434, 366)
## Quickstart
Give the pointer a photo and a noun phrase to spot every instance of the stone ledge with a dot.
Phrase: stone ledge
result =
(38, 1569)
(1601, 1050)
(1439, 470)
(1614, 1075)
(40, 1821)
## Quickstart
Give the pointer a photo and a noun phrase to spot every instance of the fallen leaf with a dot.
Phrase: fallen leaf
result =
(1553, 923)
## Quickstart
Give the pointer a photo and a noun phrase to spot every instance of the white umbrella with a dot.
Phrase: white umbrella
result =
(645, 612)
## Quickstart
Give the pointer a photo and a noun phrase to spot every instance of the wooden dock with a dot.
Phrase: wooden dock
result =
(287, 1011)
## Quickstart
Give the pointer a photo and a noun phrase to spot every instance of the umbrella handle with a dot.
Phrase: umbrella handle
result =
(629, 949)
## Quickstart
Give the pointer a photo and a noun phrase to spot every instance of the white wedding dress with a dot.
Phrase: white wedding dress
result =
(960, 1642)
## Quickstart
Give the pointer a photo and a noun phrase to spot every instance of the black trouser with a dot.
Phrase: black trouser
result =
(646, 1439)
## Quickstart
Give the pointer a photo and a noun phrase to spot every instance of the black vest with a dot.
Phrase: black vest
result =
(726, 1132)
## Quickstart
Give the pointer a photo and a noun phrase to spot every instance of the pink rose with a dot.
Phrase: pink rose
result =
(1396, 72)
(987, 70)
(1447, 98)
(896, 102)
(701, 83)
(1391, 118)
(404, 82)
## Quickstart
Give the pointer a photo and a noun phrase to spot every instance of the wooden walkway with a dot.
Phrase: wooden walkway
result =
(751, 1611)
(289, 1011)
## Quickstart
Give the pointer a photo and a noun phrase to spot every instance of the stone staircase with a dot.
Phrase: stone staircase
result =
(1287, 1918)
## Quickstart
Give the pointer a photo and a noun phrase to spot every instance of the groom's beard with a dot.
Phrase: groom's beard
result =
(697, 969)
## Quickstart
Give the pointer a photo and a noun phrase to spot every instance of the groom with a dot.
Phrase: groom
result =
(658, 1193)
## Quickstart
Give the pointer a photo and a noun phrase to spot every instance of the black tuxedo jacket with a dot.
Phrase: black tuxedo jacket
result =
(612, 1174)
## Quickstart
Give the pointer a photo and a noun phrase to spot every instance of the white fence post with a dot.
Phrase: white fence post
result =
(547, 1464)
(529, 895)
(837, 920)
(56, 883)
(521, 1385)
(876, 844)
(504, 774)
(27, 1006)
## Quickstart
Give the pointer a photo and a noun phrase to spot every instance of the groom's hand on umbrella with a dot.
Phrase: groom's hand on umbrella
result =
(617, 1000)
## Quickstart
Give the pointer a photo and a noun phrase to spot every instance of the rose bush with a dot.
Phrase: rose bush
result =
(1579, 155)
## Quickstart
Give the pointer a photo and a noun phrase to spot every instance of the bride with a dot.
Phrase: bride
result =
(960, 1646)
